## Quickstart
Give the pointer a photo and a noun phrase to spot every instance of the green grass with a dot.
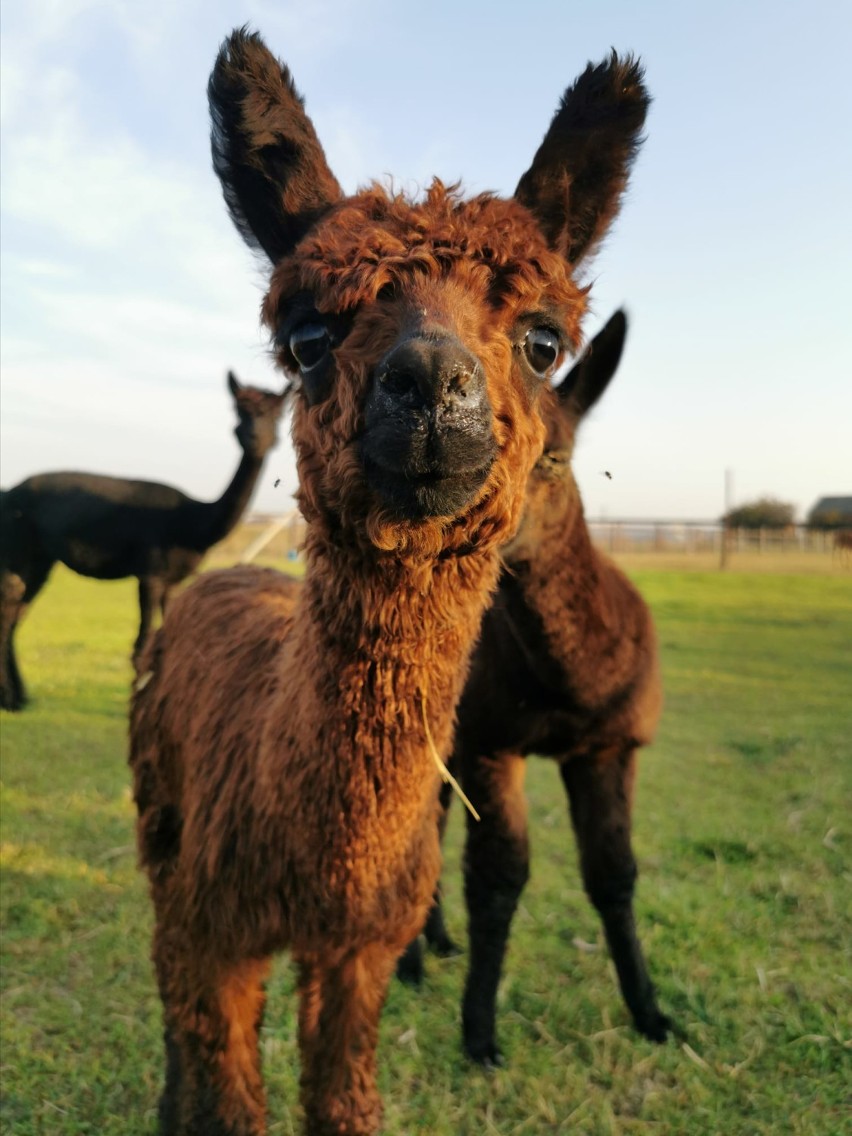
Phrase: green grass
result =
(743, 836)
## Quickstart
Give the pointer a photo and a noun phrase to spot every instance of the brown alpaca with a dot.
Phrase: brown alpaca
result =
(566, 668)
(282, 747)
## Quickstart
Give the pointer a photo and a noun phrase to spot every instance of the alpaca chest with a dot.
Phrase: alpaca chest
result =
(362, 889)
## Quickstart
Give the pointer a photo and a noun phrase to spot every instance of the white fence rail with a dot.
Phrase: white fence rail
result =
(281, 537)
(705, 536)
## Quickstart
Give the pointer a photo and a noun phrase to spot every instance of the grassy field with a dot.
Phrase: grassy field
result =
(743, 835)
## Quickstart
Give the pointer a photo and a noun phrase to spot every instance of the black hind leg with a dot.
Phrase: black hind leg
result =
(12, 693)
(437, 935)
(495, 871)
(600, 789)
(152, 596)
(17, 591)
(409, 968)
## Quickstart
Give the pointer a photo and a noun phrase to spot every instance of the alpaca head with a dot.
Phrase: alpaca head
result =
(552, 495)
(421, 334)
(258, 412)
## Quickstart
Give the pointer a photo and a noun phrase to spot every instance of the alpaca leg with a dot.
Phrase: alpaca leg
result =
(339, 1012)
(410, 966)
(435, 930)
(600, 789)
(212, 1021)
(496, 869)
(12, 588)
(151, 596)
(17, 591)
(409, 969)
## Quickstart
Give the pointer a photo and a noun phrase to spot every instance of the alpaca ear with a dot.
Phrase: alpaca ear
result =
(233, 384)
(591, 375)
(579, 173)
(266, 154)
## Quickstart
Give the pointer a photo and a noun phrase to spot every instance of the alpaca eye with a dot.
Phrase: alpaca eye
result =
(309, 345)
(543, 350)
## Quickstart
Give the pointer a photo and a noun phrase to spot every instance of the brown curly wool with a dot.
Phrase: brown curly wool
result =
(286, 791)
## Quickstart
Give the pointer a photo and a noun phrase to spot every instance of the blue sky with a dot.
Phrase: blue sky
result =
(126, 294)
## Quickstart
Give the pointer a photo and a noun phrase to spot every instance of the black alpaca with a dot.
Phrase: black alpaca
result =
(111, 527)
(567, 668)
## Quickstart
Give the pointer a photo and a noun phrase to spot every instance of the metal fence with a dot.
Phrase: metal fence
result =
(265, 538)
(705, 536)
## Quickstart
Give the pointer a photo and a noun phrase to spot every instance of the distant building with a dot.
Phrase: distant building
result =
(831, 513)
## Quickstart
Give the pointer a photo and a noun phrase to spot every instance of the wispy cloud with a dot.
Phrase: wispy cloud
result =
(125, 292)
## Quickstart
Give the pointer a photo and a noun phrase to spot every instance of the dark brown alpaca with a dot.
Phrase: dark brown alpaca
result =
(567, 668)
(282, 747)
(112, 527)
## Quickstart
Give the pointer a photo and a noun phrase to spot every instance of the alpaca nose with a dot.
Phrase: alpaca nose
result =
(435, 374)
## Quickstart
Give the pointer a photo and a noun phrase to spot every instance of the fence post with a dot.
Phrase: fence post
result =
(724, 539)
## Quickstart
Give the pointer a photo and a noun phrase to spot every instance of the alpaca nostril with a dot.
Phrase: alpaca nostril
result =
(464, 389)
(397, 382)
(460, 397)
(431, 373)
(457, 386)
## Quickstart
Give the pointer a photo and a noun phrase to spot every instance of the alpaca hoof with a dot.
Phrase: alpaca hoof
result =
(656, 1026)
(409, 968)
(488, 1056)
(445, 948)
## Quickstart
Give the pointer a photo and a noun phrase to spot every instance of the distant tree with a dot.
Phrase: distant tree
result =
(765, 513)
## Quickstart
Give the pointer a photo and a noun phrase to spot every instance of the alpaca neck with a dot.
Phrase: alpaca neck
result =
(214, 520)
(386, 648)
(589, 613)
